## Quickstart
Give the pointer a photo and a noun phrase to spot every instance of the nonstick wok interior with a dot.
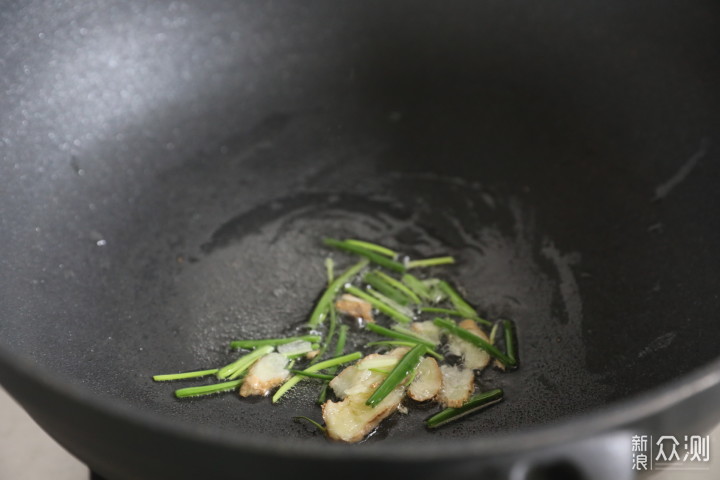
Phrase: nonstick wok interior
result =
(161, 201)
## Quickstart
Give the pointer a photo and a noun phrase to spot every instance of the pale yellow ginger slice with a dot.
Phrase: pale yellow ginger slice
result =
(351, 420)
(355, 307)
(427, 382)
(427, 330)
(457, 386)
(265, 374)
(358, 379)
(474, 358)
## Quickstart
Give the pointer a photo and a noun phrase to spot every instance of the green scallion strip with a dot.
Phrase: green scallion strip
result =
(380, 371)
(339, 350)
(330, 268)
(236, 368)
(510, 340)
(476, 402)
(285, 387)
(249, 344)
(207, 389)
(400, 343)
(414, 284)
(391, 303)
(383, 307)
(373, 247)
(390, 343)
(397, 375)
(313, 422)
(451, 327)
(181, 376)
(456, 299)
(329, 337)
(493, 332)
(323, 305)
(429, 262)
(455, 313)
(321, 376)
(393, 282)
(364, 252)
(379, 284)
(402, 336)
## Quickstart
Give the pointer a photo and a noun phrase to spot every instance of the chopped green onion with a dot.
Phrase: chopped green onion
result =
(323, 305)
(236, 368)
(313, 422)
(493, 332)
(373, 247)
(329, 337)
(379, 284)
(455, 313)
(377, 362)
(457, 300)
(397, 375)
(383, 307)
(312, 369)
(393, 343)
(451, 327)
(321, 376)
(390, 302)
(393, 282)
(296, 355)
(369, 254)
(181, 376)
(207, 389)
(330, 267)
(403, 336)
(475, 403)
(249, 344)
(377, 370)
(414, 284)
(510, 340)
(339, 350)
(429, 262)
(342, 338)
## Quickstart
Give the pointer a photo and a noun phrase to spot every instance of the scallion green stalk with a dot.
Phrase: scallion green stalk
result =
(429, 262)
(414, 284)
(330, 268)
(322, 307)
(207, 389)
(373, 247)
(236, 368)
(476, 402)
(457, 300)
(248, 344)
(182, 376)
(321, 376)
(382, 286)
(406, 337)
(510, 340)
(339, 350)
(455, 313)
(313, 422)
(393, 282)
(364, 252)
(397, 375)
(451, 327)
(383, 307)
(285, 387)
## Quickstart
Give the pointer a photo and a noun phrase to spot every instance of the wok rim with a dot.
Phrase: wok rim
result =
(612, 417)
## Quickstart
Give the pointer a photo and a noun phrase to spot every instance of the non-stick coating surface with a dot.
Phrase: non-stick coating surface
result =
(165, 192)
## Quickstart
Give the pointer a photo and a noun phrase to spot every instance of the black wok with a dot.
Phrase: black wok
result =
(168, 170)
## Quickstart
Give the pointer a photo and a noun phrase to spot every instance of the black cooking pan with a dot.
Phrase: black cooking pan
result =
(169, 169)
